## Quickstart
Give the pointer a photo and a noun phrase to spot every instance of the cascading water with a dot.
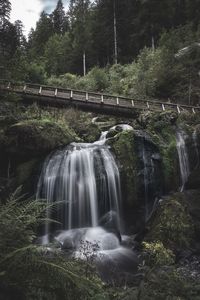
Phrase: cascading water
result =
(183, 158)
(71, 175)
(146, 179)
(85, 178)
(194, 137)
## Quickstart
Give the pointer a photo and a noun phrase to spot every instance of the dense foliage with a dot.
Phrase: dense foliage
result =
(29, 271)
(158, 52)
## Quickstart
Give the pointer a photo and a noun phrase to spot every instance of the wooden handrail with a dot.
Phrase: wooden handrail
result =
(90, 97)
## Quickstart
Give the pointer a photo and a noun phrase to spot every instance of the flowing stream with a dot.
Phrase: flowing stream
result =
(71, 176)
(85, 178)
(194, 137)
(183, 158)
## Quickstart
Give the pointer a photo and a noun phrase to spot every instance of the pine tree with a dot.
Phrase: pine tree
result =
(59, 18)
(7, 34)
(20, 38)
(80, 21)
(5, 9)
(42, 33)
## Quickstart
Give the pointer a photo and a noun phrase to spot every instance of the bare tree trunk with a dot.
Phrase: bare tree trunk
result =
(115, 34)
(84, 64)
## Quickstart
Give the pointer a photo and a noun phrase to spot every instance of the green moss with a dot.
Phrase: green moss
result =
(172, 225)
(170, 164)
(37, 137)
(123, 148)
(160, 126)
(89, 132)
(156, 254)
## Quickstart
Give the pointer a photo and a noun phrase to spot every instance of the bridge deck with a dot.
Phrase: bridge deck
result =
(104, 103)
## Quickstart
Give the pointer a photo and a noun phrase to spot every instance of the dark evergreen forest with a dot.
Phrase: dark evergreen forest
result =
(137, 48)
(96, 206)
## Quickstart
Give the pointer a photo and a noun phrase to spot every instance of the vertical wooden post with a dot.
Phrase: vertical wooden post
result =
(86, 96)
(71, 95)
(101, 98)
(40, 90)
(117, 100)
(84, 64)
(163, 107)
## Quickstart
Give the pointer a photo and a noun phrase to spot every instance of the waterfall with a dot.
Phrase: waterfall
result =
(86, 179)
(194, 137)
(183, 158)
(146, 180)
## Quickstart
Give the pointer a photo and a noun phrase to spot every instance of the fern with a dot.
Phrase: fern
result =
(28, 271)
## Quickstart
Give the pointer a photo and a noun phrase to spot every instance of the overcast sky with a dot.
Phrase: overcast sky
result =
(28, 11)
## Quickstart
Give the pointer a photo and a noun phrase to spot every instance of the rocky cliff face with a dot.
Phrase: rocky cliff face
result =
(147, 155)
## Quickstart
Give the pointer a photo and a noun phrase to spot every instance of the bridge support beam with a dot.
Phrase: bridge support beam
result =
(40, 90)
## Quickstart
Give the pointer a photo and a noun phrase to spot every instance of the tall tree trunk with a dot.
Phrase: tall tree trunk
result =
(115, 34)
(84, 64)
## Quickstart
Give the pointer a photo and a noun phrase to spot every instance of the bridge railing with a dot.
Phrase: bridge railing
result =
(93, 97)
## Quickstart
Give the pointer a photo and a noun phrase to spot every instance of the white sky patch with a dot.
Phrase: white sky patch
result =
(28, 11)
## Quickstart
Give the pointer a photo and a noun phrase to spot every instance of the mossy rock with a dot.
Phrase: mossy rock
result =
(172, 224)
(138, 198)
(161, 127)
(35, 138)
(89, 132)
(123, 146)
(155, 254)
(157, 120)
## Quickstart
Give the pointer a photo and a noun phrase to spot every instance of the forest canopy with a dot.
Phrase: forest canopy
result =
(143, 37)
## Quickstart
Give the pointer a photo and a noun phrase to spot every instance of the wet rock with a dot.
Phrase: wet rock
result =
(34, 138)
(110, 222)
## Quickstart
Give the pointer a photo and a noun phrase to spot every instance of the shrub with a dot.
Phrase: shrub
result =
(28, 271)
(157, 255)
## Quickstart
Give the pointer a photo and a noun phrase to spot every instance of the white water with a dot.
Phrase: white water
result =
(183, 158)
(71, 176)
(146, 179)
(121, 127)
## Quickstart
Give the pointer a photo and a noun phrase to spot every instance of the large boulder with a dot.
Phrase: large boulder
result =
(172, 224)
(139, 163)
(35, 138)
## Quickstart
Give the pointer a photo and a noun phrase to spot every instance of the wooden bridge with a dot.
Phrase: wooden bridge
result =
(89, 101)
